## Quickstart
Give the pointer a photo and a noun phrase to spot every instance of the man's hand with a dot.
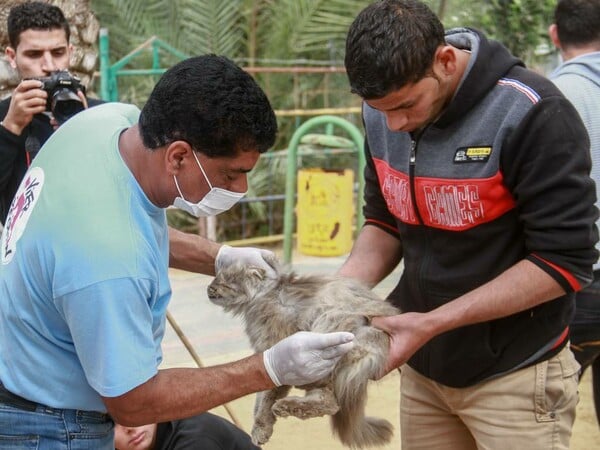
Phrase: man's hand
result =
(306, 357)
(83, 98)
(27, 100)
(408, 333)
(265, 259)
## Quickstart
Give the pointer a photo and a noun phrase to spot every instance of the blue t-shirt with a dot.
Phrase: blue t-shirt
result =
(83, 270)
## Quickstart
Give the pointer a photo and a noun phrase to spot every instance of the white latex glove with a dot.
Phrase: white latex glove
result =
(306, 357)
(265, 259)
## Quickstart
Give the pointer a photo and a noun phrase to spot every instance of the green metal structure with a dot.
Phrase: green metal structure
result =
(329, 122)
(108, 73)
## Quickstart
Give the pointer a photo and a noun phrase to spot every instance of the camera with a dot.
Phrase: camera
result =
(62, 87)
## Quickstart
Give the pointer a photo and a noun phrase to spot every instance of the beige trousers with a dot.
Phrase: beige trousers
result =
(532, 408)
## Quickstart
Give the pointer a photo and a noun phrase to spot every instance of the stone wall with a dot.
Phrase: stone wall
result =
(84, 37)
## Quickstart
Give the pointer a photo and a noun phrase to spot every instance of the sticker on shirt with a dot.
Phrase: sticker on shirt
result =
(20, 210)
(472, 154)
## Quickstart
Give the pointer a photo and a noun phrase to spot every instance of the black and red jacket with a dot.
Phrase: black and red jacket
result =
(501, 176)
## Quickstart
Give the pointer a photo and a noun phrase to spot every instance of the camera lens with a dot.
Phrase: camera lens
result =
(65, 104)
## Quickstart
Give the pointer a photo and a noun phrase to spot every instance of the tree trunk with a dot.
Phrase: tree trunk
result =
(84, 37)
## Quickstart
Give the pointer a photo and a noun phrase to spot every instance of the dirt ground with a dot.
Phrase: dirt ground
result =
(315, 434)
(219, 338)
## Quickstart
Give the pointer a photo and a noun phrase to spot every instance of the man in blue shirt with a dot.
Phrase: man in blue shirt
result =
(84, 255)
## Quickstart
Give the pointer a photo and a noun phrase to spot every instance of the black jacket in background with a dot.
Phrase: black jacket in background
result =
(203, 432)
(14, 150)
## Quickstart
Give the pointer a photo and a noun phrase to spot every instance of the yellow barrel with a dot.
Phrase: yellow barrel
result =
(325, 211)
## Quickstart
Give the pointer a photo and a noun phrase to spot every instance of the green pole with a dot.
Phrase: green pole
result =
(104, 65)
(290, 182)
(155, 55)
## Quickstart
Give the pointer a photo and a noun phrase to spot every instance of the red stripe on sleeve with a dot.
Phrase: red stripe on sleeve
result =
(575, 285)
(382, 224)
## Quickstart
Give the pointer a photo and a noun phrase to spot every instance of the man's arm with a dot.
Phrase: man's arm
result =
(192, 252)
(197, 254)
(11, 148)
(299, 359)
(374, 255)
(28, 99)
(519, 288)
(183, 392)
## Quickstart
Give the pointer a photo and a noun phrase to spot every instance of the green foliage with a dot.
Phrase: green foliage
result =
(252, 32)
(292, 32)
(210, 26)
(521, 25)
(192, 26)
(315, 29)
(265, 29)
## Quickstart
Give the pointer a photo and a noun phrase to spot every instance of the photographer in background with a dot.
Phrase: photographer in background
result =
(39, 47)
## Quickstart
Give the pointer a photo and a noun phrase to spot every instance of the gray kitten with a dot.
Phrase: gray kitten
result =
(275, 308)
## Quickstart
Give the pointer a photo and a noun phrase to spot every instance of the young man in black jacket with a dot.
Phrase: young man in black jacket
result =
(39, 46)
(477, 177)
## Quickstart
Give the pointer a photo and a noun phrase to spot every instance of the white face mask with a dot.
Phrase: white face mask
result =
(216, 201)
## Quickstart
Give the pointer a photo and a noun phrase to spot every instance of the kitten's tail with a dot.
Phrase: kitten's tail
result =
(350, 424)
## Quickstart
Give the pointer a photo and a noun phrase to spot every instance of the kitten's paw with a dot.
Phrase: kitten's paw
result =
(261, 435)
(296, 407)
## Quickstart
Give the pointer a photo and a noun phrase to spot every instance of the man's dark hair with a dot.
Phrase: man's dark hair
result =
(34, 16)
(577, 22)
(212, 104)
(391, 43)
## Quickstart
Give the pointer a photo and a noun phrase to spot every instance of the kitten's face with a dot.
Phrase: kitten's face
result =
(235, 285)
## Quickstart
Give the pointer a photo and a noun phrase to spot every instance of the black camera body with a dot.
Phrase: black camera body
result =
(62, 87)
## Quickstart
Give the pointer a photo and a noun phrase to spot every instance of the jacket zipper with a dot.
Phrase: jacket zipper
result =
(422, 356)
(411, 176)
